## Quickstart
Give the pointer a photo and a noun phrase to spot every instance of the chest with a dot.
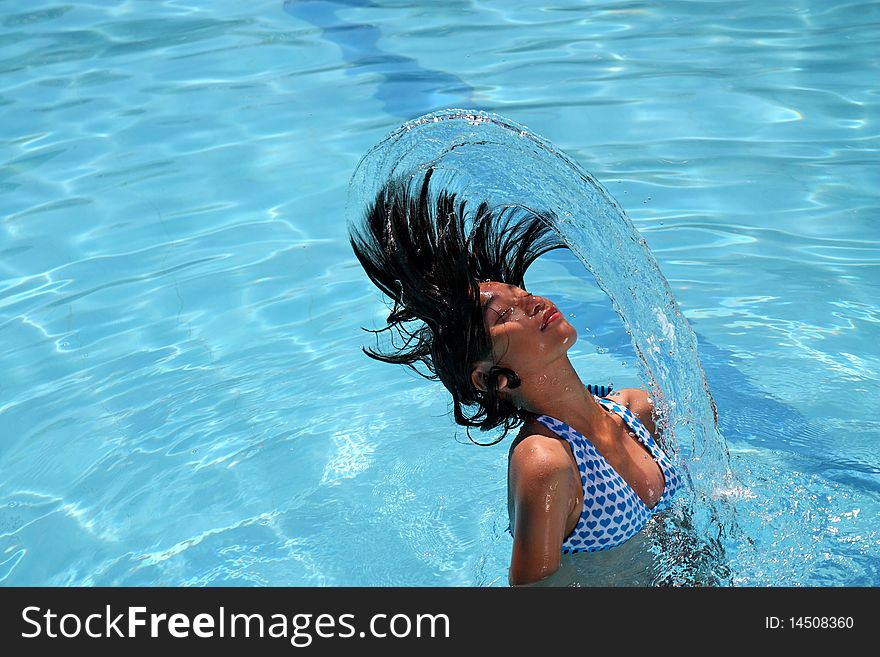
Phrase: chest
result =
(633, 461)
(620, 447)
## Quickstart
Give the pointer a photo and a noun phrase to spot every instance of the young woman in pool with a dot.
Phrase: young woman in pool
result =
(585, 472)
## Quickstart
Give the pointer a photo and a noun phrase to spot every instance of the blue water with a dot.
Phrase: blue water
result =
(183, 400)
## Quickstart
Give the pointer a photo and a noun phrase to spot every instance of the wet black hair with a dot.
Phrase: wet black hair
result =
(413, 246)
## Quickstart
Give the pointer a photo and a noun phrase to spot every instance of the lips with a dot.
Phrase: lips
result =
(549, 315)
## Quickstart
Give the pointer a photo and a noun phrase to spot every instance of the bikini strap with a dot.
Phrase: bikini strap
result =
(598, 390)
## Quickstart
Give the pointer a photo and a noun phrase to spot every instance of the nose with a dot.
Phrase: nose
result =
(537, 306)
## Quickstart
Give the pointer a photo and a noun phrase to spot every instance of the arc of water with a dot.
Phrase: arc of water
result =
(483, 156)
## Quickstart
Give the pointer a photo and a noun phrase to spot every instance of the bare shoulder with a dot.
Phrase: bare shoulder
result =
(535, 456)
(636, 397)
(538, 459)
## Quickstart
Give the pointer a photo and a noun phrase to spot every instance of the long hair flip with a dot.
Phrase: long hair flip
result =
(414, 246)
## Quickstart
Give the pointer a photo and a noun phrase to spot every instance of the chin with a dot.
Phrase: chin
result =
(571, 333)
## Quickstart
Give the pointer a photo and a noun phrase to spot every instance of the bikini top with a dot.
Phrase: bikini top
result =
(612, 512)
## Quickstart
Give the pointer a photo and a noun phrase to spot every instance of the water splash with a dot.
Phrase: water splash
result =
(483, 156)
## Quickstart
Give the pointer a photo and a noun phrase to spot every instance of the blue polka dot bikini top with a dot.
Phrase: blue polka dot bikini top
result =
(612, 512)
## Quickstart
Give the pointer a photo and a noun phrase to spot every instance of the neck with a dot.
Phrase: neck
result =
(557, 391)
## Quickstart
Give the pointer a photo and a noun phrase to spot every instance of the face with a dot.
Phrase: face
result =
(522, 338)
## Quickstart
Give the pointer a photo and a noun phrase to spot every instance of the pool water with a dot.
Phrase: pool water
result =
(183, 399)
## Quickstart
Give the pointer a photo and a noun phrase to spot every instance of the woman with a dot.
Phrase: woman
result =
(585, 472)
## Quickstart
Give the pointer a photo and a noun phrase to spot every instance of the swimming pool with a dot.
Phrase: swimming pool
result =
(183, 400)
